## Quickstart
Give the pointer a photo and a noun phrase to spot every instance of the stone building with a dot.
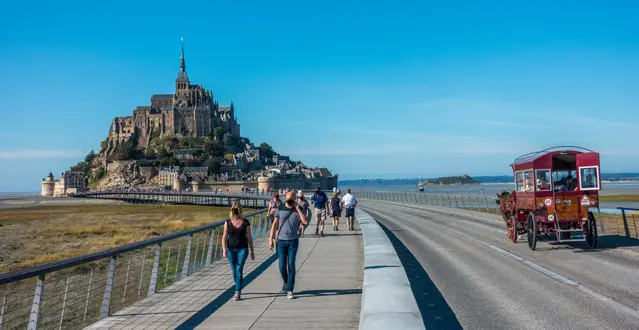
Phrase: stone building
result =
(70, 182)
(190, 111)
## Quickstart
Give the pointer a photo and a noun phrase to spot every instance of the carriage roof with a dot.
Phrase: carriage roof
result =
(543, 155)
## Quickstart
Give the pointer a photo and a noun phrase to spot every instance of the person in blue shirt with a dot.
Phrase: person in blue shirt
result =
(320, 200)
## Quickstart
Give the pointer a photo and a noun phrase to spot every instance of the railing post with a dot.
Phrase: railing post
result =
(187, 257)
(4, 306)
(154, 272)
(64, 302)
(108, 288)
(625, 223)
(34, 317)
(209, 252)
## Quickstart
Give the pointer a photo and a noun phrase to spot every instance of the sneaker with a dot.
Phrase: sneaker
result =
(322, 234)
(237, 296)
(290, 295)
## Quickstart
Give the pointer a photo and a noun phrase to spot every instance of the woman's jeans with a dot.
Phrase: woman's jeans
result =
(286, 253)
(237, 258)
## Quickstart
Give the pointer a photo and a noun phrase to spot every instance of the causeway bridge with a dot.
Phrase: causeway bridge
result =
(414, 261)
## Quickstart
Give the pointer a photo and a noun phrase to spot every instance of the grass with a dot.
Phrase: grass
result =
(619, 198)
(36, 235)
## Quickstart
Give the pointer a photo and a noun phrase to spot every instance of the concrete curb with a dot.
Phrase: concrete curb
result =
(387, 299)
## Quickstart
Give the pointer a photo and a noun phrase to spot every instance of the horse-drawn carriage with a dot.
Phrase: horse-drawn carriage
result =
(554, 191)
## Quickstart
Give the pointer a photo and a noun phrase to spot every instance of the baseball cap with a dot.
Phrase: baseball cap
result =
(300, 194)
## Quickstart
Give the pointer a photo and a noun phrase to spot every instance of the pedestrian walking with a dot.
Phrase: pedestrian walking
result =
(336, 210)
(303, 203)
(288, 220)
(348, 203)
(274, 206)
(236, 241)
(319, 203)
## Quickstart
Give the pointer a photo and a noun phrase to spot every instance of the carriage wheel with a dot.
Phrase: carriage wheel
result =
(591, 231)
(513, 229)
(532, 231)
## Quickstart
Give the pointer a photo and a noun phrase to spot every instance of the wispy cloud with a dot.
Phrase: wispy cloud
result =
(40, 154)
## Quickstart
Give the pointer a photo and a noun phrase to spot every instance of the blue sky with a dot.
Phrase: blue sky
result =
(367, 88)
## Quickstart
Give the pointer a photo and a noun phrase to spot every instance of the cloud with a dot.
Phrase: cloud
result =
(40, 154)
(408, 149)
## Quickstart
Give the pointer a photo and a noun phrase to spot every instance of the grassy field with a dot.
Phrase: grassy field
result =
(35, 235)
(619, 198)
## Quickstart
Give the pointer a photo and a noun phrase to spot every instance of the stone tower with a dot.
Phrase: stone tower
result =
(48, 186)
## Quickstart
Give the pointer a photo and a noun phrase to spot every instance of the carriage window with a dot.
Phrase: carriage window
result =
(542, 180)
(524, 181)
(589, 178)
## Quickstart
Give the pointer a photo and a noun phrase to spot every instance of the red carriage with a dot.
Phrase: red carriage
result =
(554, 191)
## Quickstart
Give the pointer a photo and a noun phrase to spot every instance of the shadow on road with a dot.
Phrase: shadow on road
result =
(607, 242)
(435, 311)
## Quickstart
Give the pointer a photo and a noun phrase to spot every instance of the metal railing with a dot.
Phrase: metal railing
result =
(624, 224)
(626, 221)
(475, 203)
(247, 200)
(75, 292)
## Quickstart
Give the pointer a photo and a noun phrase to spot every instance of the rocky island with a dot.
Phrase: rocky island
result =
(184, 141)
(449, 180)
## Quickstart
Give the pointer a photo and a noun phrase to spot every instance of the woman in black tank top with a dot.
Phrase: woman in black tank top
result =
(236, 241)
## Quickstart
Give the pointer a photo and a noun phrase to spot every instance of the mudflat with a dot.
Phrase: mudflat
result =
(52, 229)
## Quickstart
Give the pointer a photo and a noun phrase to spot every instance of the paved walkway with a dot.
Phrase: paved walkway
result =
(328, 288)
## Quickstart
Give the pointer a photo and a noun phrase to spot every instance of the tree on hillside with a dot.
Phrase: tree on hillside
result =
(218, 133)
(90, 157)
(266, 150)
(214, 148)
(213, 164)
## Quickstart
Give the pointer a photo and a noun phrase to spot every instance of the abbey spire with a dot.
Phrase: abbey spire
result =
(182, 80)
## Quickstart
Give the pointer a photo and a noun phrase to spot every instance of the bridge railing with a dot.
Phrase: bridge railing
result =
(475, 203)
(183, 198)
(78, 291)
(624, 224)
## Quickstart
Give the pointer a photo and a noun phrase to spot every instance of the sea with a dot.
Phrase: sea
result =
(482, 190)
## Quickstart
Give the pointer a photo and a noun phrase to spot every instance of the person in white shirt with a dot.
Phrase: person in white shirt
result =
(348, 203)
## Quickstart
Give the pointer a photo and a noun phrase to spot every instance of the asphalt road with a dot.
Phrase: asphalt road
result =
(466, 274)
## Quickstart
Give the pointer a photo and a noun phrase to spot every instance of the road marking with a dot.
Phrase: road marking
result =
(545, 271)
(534, 266)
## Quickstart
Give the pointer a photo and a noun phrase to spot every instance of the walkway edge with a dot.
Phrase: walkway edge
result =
(387, 299)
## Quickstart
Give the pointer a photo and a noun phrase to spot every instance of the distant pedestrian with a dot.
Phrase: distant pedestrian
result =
(319, 203)
(288, 220)
(348, 203)
(336, 210)
(303, 203)
(236, 241)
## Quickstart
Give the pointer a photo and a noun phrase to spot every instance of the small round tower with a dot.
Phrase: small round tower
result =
(177, 184)
(195, 185)
(48, 185)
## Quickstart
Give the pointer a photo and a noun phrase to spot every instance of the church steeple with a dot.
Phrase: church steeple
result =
(182, 65)
(182, 81)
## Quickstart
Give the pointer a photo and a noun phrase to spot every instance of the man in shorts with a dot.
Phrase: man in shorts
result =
(348, 203)
(319, 203)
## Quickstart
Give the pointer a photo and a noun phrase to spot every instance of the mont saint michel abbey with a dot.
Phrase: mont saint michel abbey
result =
(190, 111)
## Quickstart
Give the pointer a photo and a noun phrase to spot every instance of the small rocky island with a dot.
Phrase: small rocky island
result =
(449, 180)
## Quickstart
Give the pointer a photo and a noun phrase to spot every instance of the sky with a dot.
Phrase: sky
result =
(369, 89)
